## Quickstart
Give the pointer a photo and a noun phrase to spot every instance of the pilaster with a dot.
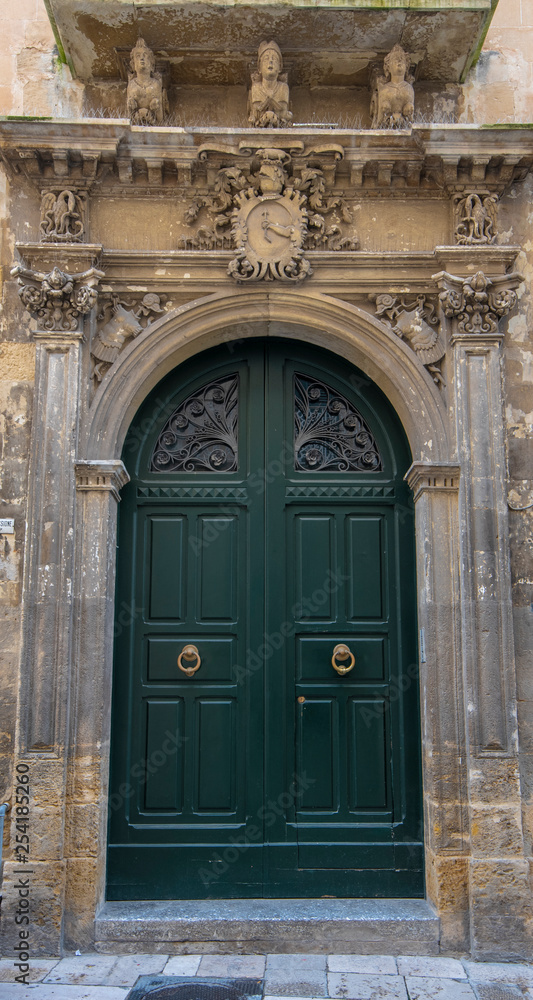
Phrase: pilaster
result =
(436, 493)
(98, 485)
(499, 894)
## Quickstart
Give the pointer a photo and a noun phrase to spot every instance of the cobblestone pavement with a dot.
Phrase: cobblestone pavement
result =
(348, 977)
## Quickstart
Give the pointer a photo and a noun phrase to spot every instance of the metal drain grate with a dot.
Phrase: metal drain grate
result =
(195, 988)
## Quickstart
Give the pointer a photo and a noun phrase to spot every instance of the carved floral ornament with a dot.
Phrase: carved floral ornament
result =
(62, 216)
(270, 218)
(58, 299)
(475, 218)
(477, 304)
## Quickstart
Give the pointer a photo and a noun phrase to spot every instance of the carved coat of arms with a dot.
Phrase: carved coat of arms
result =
(269, 226)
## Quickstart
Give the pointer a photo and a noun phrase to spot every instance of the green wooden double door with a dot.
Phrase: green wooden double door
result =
(266, 523)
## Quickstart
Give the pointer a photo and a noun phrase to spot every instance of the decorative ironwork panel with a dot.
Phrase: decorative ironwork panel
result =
(202, 434)
(329, 433)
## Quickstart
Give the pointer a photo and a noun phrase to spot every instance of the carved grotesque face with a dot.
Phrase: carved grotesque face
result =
(396, 63)
(143, 60)
(270, 65)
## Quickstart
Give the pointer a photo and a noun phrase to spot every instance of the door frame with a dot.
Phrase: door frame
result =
(436, 424)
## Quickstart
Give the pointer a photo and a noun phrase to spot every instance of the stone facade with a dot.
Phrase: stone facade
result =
(411, 247)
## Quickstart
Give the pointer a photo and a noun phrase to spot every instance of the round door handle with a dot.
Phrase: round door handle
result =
(189, 652)
(342, 652)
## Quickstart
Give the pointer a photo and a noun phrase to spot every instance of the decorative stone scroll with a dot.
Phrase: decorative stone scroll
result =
(268, 99)
(475, 219)
(274, 217)
(62, 216)
(393, 99)
(121, 320)
(58, 299)
(147, 102)
(477, 303)
(416, 322)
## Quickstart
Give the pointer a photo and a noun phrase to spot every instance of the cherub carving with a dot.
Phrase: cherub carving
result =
(268, 100)
(147, 101)
(393, 99)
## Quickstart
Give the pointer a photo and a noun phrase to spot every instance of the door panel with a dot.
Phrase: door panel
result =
(261, 525)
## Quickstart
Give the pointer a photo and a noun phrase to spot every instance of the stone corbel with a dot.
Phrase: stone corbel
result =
(475, 305)
(109, 476)
(56, 297)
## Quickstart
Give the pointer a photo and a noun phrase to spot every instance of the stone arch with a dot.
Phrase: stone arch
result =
(338, 326)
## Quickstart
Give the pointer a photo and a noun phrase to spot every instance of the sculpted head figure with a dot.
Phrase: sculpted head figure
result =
(268, 100)
(146, 99)
(393, 98)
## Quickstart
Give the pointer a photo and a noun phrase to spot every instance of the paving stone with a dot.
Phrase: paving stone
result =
(61, 992)
(88, 970)
(365, 964)
(500, 991)
(232, 965)
(438, 968)
(433, 988)
(296, 975)
(129, 967)
(352, 986)
(39, 968)
(182, 965)
(500, 972)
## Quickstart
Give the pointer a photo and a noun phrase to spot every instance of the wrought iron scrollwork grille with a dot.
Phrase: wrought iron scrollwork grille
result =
(202, 433)
(329, 433)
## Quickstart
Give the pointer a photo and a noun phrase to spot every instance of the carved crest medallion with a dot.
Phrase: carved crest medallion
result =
(269, 226)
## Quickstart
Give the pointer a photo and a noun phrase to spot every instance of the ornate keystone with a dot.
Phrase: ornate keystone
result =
(477, 304)
(58, 299)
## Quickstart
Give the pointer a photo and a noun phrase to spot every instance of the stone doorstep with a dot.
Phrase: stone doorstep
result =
(237, 926)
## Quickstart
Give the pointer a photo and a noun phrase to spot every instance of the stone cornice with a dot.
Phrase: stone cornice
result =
(111, 154)
(185, 272)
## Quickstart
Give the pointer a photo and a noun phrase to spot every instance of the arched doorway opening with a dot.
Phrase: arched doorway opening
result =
(266, 523)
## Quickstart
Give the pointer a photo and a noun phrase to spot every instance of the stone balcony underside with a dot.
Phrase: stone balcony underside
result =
(107, 155)
(324, 42)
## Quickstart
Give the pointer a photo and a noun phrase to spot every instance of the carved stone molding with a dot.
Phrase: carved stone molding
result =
(413, 318)
(63, 214)
(475, 305)
(110, 475)
(58, 299)
(475, 218)
(424, 477)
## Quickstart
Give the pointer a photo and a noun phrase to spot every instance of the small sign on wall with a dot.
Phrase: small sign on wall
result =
(7, 526)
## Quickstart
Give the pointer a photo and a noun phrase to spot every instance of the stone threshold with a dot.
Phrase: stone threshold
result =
(258, 926)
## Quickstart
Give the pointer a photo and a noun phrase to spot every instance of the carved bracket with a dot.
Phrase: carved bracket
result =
(58, 299)
(475, 218)
(414, 319)
(477, 304)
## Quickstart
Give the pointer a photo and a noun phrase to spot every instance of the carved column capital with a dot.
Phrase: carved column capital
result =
(426, 477)
(106, 475)
(475, 305)
(58, 299)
